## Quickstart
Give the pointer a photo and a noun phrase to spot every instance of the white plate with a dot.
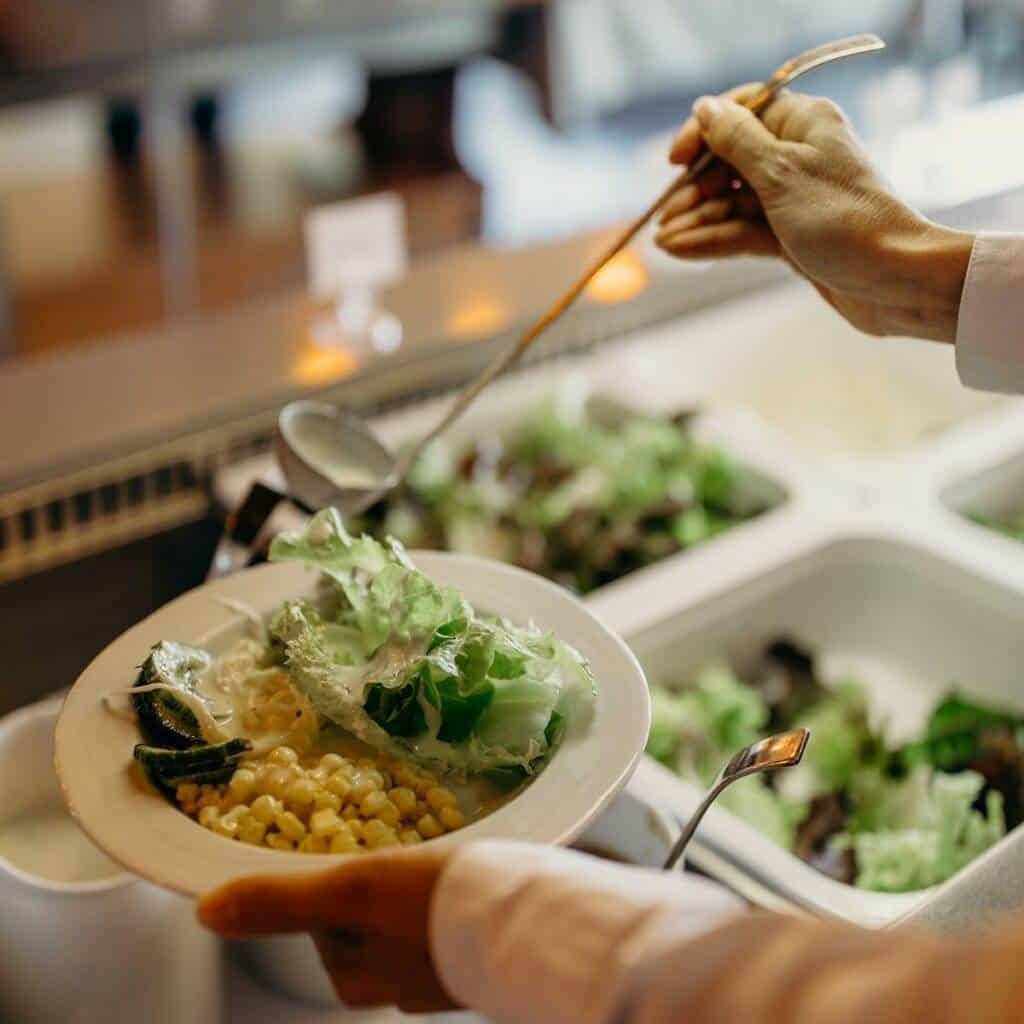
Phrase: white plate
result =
(153, 839)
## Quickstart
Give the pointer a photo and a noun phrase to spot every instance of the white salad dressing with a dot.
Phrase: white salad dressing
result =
(314, 441)
(47, 843)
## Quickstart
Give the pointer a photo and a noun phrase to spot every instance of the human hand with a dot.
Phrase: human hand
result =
(368, 918)
(796, 184)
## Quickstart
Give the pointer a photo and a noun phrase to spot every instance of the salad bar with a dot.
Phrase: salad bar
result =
(388, 681)
(765, 584)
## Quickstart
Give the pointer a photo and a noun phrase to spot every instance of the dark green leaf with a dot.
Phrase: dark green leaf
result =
(397, 711)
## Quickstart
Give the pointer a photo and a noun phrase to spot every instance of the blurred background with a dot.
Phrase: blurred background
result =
(158, 160)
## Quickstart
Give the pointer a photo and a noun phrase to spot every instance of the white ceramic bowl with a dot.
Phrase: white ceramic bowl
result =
(72, 951)
(127, 820)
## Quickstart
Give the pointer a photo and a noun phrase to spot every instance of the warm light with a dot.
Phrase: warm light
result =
(477, 317)
(623, 278)
(315, 365)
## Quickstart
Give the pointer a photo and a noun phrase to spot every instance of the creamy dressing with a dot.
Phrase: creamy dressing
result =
(316, 443)
(47, 843)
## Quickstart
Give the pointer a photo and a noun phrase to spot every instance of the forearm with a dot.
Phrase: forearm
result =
(522, 933)
(926, 265)
(820, 972)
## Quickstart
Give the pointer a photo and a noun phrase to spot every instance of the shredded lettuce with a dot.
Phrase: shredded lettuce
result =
(411, 668)
(912, 833)
(902, 822)
(696, 730)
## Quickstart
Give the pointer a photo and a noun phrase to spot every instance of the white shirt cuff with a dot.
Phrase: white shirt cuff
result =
(526, 933)
(990, 328)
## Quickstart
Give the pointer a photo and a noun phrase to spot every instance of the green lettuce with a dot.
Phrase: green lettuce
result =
(915, 832)
(696, 730)
(411, 668)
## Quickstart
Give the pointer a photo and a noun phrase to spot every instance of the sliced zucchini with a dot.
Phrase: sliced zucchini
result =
(165, 720)
(212, 763)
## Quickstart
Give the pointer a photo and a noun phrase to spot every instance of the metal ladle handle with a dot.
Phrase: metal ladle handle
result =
(781, 751)
(780, 78)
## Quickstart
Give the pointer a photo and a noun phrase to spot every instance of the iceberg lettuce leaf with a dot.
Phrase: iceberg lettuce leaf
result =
(410, 668)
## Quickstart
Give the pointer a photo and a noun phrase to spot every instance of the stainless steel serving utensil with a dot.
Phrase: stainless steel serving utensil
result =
(354, 436)
(781, 751)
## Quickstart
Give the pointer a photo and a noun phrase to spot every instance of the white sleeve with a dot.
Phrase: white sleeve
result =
(525, 933)
(990, 328)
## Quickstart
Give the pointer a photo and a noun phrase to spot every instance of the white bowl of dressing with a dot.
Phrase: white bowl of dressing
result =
(80, 940)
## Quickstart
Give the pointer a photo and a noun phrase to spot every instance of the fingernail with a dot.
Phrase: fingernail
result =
(219, 912)
(706, 109)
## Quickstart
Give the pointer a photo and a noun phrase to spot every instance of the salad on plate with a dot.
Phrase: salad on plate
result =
(384, 712)
(883, 816)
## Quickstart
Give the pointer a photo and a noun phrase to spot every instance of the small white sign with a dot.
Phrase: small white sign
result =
(358, 243)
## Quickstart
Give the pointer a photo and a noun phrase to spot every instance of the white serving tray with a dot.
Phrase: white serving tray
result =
(884, 598)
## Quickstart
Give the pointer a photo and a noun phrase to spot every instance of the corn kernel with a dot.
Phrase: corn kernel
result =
(438, 797)
(265, 808)
(313, 844)
(376, 834)
(242, 783)
(389, 814)
(325, 823)
(451, 817)
(419, 810)
(237, 815)
(429, 827)
(209, 796)
(283, 756)
(339, 785)
(226, 828)
(187, 792)
(363, 782)
(327, 801)
(277, 841)
(301, 791)
(349, 812)
(252, 832)
(355, 826)
(208, 816)
(344, 842)
(290, 825)
(409, 837)
(403, 798)
(278, 781)
(372, 803)
(331, 762)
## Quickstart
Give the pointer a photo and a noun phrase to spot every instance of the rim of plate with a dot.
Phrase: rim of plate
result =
(154, 840)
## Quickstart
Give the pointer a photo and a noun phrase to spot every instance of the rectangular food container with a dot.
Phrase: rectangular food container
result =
(772, 477)
(862, 412)
(888, 600)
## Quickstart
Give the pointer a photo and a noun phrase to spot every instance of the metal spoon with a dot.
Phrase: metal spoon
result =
(354, 437)
(781, 751)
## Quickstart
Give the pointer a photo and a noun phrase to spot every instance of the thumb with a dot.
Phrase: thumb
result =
(735, 134)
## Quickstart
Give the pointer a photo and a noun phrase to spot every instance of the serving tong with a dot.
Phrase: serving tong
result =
(783, 750)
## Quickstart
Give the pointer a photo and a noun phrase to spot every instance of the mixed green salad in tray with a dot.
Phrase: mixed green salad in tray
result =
(573, 495)
(351, 721)
(890, 817)
(1010, 524)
